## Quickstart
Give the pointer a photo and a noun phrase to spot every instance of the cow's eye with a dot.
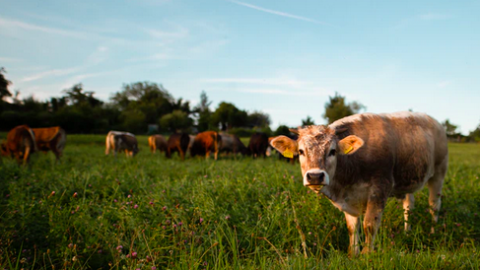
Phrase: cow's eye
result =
(300, 151)
(332, 153)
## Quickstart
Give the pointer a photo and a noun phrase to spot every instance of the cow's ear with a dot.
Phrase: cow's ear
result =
(285, 145)
(350, 145)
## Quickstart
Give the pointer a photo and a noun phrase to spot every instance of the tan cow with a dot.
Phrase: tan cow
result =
(157, 142)
(361, 160)
(50, 139)
(20, 144)
(110, 140)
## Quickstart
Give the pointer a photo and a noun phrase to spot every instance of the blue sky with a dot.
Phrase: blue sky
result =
(280, 57)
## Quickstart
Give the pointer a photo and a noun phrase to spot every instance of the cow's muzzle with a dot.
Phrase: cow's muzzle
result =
(315, 177)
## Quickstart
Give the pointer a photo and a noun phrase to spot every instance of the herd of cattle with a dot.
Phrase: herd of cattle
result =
(357, 162)
(202, 144)
(22, 141)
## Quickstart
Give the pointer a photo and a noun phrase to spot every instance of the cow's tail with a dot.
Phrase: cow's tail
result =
(216, 143)
(63, 139)
(33, 141)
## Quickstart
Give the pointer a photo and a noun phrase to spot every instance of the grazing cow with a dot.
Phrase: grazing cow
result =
(361, 160)
(50, 139)
(231, 143)
(157, 142)
(127, 143)
(258, 144)
(178, 142)
(110, 142)
(206, 142)
(20, 144)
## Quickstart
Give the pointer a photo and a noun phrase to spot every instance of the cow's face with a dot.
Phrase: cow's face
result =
(135, 150)
(318, 148)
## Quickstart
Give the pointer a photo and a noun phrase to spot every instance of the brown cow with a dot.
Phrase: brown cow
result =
(157, 142)
(361, 160)
(50, 139)
(206, 142)
(127, 143)
(258, 144)
(177, 142)
(20, 144)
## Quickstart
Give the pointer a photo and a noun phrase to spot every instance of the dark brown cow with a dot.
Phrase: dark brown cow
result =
(177, 142)
(157, 142)
(50, 139)
(20, 144)
(361, 160)
(232, 144)
(258, 144)
(127, 143)
(206, 142)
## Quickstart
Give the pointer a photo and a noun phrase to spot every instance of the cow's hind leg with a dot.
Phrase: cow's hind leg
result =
(352, 226)
(408, 205)
(435, 191)
(377, 199)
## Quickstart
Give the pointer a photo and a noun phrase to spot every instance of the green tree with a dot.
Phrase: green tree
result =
(475, 134)
(228, 116)
(203, 113)
(450, 128)
(76, 96)
(337, 108)
(152, 99)
(176, 121)
(258, 119)
(282, 130)
(4, 83)
(308, 121)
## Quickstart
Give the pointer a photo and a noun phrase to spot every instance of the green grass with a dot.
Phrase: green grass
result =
(229, 214)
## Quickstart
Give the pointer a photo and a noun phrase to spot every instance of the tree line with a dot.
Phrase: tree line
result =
(146, 107)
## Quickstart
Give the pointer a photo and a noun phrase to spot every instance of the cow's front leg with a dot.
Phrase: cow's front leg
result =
(352, 226)
(373, 217)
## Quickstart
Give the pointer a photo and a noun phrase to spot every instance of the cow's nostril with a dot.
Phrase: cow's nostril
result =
(316, 176)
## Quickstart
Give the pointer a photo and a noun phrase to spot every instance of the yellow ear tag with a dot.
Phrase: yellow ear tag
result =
(287, 154)
(348, 150)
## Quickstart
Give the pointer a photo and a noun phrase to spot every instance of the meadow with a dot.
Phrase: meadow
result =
(93, 211)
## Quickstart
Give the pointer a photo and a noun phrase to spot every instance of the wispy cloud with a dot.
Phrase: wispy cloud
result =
(9, 24)
(273, 91)
(49, 73)
(279, 13)
(434, 16)
(96, 57)
(261, 81)
(10, 59)
(444, 84)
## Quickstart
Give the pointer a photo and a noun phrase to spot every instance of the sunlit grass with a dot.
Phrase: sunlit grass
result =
(94, 211)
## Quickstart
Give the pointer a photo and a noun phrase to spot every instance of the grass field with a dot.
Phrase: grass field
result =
(92, 211)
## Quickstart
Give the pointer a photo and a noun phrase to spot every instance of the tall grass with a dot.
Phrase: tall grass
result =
(95, 211)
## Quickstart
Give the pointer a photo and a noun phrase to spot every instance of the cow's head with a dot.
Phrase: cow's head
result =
(318, 148)
(4, 149)
(135, 150)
